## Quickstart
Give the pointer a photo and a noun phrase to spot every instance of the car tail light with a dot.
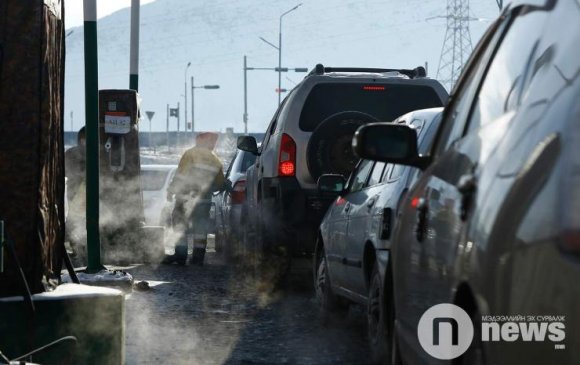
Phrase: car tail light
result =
(373, 88)
(239, 192)
(287, 158)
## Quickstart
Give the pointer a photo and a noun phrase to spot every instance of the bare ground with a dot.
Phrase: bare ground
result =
(219, 315)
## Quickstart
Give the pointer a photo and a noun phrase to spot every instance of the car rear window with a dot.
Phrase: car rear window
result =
(385, 102)
(152, 180)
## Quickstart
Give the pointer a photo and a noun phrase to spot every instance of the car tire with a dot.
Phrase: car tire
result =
(475, 353)
(378, 329)
(395, 351)
(329, 303)
(329, 148)
(219, 241)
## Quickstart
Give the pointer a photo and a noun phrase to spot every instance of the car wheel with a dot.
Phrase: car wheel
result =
(395, 352)
(328, 302)
(475, 354)
(378, 332)
(219, 241)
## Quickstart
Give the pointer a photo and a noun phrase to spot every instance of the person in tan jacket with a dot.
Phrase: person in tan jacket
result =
(198, 175)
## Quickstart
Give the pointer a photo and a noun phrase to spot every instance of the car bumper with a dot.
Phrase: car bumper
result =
(298, 212)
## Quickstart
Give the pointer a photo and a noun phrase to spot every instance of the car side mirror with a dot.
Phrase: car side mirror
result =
(393, 143)
(331, 183)
(248, 144)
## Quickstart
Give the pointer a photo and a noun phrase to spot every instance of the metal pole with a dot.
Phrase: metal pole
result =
(245, 95)
(177, 137)
(185, 98)
(72, 128)
(280, 62)
(192, 114)
(192, 110)
(167, 129)
(134, 54)
(92, 136)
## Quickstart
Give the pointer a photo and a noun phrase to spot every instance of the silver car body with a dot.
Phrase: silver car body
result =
(154, 180)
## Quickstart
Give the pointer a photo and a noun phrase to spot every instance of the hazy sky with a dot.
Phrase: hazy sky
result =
(74, 9)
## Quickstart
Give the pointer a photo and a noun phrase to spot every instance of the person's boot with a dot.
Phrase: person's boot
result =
(197, 257)
(199, 247)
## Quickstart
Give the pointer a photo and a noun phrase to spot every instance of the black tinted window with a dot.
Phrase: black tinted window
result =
(385, 102)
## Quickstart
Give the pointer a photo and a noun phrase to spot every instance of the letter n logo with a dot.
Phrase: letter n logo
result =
(437, 322)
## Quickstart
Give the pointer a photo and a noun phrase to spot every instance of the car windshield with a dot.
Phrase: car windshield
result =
(152, 180)
(385, 102)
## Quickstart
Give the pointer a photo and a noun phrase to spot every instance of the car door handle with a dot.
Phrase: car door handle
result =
(467, 186)
(370, 203)
(347, 207)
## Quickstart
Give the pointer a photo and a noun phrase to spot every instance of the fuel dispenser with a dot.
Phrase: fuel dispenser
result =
(124, 236)
(121, 207)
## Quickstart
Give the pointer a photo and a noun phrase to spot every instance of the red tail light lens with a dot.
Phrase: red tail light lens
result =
(239, 192)
(287, 158)
(373, 88)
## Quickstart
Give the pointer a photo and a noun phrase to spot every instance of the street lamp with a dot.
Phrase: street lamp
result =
(246, 69)
(279, 48)
(193, 87)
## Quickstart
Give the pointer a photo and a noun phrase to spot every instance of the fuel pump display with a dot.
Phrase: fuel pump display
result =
(121, 208)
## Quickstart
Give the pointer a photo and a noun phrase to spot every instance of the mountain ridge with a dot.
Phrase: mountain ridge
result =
(215, 35)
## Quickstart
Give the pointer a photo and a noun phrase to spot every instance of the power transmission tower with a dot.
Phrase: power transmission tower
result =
(457, 44)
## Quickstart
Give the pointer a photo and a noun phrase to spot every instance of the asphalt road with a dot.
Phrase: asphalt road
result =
(219, 315)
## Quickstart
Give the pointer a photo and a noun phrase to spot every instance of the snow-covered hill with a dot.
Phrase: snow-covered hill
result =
(214, 35)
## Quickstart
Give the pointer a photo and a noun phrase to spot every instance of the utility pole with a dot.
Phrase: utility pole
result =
(279, 48)
(193, 87)
(134, 53)
(245, 95)
(192, 112)
(277, 69)
(177, 137)
(185, 97)
(167, 129)
(92, 136)
(72, 128)
(457, 44)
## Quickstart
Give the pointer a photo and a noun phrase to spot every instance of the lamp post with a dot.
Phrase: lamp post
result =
(246, 69)
(193, 87)
(279, 48)
(134, 46)
(185, 96)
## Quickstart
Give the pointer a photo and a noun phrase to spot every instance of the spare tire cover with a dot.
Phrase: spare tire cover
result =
(330, 146)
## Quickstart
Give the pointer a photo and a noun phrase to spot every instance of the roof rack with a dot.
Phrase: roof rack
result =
(414, 73)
